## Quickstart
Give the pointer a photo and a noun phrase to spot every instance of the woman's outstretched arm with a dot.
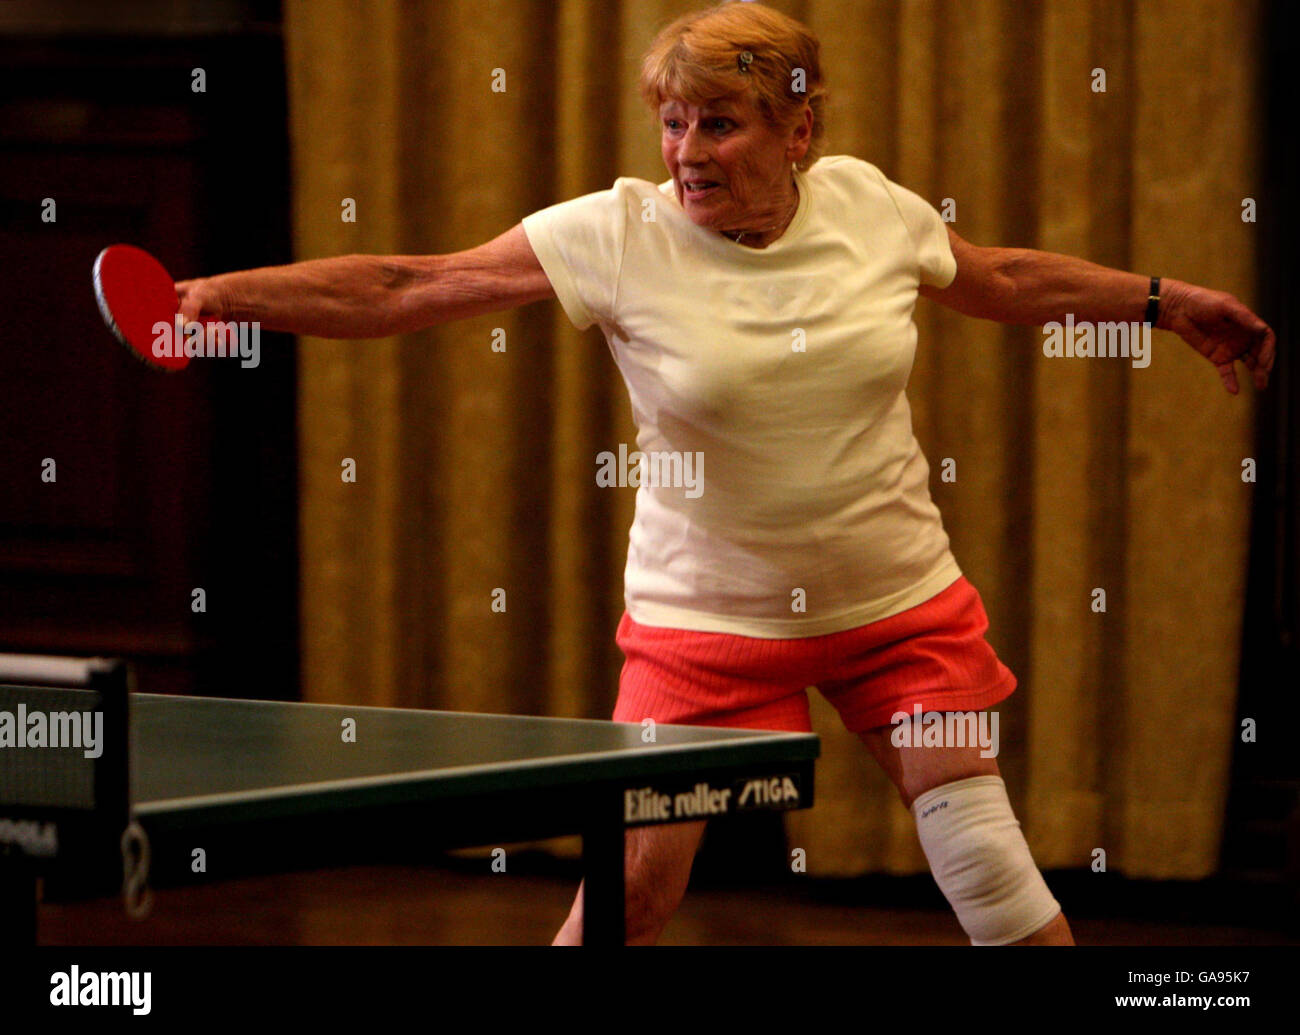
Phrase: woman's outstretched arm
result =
(1025, 286)
(373, 296)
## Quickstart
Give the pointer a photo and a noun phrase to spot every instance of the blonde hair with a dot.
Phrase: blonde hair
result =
(697, 59)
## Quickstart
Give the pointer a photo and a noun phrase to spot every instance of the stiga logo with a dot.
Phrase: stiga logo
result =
(34, 838)
(107, 988)
(775, 791)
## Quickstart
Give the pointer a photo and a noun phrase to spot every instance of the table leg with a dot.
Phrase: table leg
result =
(18, 907)
(602, 863)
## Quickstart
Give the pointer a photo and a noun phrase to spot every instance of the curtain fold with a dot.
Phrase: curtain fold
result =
(475, 467)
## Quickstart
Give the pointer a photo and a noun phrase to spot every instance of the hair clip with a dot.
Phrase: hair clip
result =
(743, 60)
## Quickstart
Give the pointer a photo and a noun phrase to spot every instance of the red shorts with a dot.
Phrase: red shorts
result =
(933, 655)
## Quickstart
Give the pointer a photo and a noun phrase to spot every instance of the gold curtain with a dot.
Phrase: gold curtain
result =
(475, 467)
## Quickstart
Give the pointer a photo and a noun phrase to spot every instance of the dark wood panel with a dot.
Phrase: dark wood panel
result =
(152, 469)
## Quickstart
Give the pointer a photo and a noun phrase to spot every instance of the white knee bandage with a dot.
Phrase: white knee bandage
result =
(981, 862)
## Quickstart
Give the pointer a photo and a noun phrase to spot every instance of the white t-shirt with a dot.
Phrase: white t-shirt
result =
(768, 385)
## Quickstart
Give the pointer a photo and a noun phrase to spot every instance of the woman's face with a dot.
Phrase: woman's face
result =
(730, 168)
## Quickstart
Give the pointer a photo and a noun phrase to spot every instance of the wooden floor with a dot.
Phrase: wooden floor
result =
(456, 904)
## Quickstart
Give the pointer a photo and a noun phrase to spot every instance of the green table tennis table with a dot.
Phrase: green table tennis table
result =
(261, 785)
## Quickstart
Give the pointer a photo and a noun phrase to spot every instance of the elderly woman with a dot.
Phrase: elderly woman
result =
(759, 306)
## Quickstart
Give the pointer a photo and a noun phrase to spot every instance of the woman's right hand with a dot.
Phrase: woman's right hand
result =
(204, 299)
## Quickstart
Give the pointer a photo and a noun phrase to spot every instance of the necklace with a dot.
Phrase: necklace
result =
(739, 234)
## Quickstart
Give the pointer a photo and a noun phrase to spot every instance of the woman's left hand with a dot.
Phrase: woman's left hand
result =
(1221, 329)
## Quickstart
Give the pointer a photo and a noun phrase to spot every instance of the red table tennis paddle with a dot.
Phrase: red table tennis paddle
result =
(135, 293)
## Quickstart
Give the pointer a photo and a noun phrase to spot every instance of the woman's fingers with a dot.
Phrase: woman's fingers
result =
(196, 299)
(1259, 357)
